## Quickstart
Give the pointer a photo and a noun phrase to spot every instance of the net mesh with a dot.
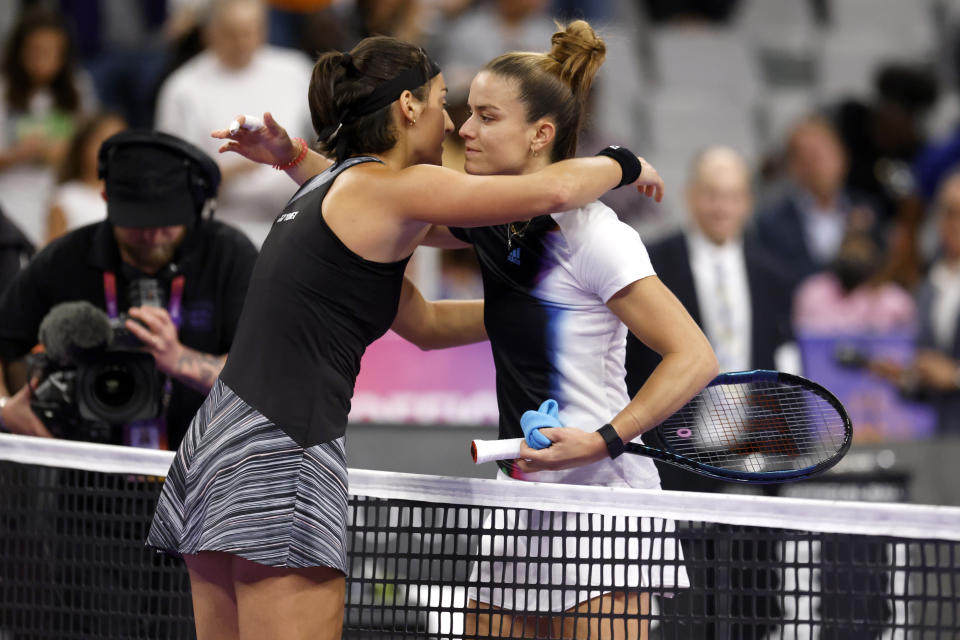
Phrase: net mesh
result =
(428, 555)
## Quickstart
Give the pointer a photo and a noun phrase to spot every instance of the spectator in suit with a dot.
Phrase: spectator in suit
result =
(935, 370)
(730, 286)
(741, 300)
(806, 226)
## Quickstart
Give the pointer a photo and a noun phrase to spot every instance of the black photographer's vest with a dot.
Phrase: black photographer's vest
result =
(311, 309)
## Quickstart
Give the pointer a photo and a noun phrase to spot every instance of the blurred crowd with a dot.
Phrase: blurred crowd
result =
(810, 147)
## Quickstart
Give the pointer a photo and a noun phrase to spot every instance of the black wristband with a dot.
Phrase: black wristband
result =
(612, 438)
(630, 166)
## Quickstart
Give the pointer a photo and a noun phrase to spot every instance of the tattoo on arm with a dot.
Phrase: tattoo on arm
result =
(199, 370)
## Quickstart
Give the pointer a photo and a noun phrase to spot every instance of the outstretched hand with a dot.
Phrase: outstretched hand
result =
(269, 144)
(649, 183)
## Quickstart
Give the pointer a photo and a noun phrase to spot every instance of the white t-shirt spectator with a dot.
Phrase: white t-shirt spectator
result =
(81, 203)
(204, 95)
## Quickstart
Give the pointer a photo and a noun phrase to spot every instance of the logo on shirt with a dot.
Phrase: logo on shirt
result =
(199, 316)
(514, 256)
(287, 217)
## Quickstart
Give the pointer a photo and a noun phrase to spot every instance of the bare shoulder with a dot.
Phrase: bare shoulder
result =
(397, 195)
(412, 177)
(368, 178)
(420, 173)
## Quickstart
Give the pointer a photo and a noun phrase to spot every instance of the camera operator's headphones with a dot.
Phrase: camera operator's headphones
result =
(203, 174)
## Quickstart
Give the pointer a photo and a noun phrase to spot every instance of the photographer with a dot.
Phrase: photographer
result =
(179, 276)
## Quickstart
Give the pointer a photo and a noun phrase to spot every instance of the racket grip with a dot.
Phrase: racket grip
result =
(249, 123)
(490, 450)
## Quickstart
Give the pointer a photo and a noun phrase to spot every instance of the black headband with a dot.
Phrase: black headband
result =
(408, 79)
(384, 93)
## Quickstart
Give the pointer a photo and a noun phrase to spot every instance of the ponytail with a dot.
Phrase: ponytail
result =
(579, 52)
(350, 94)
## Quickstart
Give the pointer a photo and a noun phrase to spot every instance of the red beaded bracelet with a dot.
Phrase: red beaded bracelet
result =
(298, 159)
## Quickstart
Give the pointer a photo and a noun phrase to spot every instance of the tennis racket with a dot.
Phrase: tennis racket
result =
(749, 426)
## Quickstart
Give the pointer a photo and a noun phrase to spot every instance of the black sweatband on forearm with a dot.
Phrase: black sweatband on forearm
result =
(630, 166)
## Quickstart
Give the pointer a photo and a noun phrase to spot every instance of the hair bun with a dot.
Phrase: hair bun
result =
(579, 51)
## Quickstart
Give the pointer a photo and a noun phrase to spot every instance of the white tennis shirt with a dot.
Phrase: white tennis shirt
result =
(550, 329)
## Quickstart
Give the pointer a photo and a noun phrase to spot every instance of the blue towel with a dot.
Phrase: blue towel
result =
(531, 422)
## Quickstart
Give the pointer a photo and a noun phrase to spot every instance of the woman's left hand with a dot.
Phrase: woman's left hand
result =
(571, 447)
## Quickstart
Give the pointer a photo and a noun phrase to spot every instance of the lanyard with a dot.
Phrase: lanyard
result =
(152, 433)
(174, 305)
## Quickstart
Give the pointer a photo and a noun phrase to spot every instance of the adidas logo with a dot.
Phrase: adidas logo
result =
(514, 256)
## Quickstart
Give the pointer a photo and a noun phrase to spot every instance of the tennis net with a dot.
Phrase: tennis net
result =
(428, 555)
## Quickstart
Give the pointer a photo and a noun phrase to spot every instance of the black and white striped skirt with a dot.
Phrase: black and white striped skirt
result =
(240, 485)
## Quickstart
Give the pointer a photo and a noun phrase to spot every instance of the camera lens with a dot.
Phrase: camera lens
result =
(113, 385)
(122, 386)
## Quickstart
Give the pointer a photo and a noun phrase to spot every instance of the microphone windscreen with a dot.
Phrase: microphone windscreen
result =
(71, 330)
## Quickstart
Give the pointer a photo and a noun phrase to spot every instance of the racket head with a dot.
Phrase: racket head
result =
(758, 427)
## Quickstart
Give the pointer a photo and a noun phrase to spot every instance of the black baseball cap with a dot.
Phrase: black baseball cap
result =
(153, 179)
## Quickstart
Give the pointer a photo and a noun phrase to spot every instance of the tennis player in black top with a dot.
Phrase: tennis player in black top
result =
(256, 498)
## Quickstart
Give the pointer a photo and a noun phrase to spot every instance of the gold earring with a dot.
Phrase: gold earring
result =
(534, 152)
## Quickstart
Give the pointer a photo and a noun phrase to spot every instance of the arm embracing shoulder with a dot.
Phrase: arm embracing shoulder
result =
(442, 196)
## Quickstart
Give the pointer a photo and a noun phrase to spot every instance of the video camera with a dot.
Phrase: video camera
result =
(94, 374)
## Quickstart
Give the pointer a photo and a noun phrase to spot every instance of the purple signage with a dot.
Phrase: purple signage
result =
(878, 411)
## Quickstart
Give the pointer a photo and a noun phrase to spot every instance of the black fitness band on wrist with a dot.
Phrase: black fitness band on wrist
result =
(612, 438)
(630, 166)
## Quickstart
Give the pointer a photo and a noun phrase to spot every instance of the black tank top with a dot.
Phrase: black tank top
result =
(311, 309)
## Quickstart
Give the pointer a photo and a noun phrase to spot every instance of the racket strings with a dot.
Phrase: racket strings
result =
(756, 427)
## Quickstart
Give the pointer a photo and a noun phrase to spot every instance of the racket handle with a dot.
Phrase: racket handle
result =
(490, 450)
(249, 123)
